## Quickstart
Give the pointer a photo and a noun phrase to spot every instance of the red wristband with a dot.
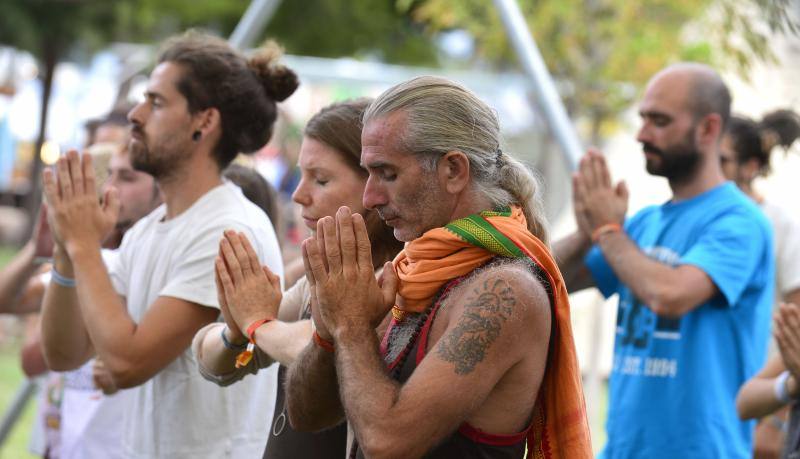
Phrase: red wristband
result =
(323, 343)
(605, 229)
(251, 330)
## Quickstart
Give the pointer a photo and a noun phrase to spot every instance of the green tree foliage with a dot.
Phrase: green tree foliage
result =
(151, 21)
(360, 28)
(605, 50)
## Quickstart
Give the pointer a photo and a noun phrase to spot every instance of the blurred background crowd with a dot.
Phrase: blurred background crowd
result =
(66, 65)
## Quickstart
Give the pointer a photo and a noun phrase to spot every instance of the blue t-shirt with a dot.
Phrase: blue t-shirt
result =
(673, 383)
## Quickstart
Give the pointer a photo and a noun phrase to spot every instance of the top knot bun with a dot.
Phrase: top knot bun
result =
(780, 127)
(278, 81)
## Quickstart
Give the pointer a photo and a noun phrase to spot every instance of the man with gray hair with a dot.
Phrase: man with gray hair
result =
(694, 278)
(477, 358)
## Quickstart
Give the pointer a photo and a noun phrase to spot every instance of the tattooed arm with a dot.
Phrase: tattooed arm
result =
(485, 362)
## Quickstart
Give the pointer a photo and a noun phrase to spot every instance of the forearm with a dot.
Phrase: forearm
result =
(569, 253)
(312, 390)
(651, 282)
(32, 359)
(15, 276)
(212, 354)
(756, 398)
(108, 324)
(368, 395)
(65, 341)
(217, 363)
(284, 341)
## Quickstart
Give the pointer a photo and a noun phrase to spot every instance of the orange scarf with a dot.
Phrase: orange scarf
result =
(559, 428)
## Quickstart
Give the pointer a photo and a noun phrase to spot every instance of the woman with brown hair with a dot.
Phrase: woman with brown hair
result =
(331, 177)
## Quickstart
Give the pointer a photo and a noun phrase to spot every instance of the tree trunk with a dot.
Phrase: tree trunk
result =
(34, 198)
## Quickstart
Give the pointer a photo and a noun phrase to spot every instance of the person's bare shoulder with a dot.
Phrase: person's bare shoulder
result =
(504, 302)
(506, 283)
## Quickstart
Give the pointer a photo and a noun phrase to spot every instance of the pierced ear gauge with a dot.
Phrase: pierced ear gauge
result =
(196, 136)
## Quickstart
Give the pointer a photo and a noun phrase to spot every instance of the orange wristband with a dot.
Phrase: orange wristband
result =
(251, 330)
(323, 343)
(605, 229)
(244, 357)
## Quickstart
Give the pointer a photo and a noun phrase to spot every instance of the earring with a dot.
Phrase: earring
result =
(196, 136)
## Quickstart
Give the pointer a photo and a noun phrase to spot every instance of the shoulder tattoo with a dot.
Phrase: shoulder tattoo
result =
(487, 309)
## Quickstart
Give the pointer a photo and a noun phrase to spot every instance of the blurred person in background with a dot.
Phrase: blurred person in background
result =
(20, 291)
(745, 154)
(256, 189)
(330, 177)
(777, 385)
(77, 420)
(694, 277)
(204, 104)
(114, 128)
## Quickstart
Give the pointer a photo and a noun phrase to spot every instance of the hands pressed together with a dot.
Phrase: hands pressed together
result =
(346, 295)
(247, 292)
(75, 215)
(596, 201)
(787, 334)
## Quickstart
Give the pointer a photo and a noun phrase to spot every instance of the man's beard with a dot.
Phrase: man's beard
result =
(418, 209)
(160, 165)
(678, 163)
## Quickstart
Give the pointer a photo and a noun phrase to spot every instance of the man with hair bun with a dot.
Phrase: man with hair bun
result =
(478, 358)
(203, 105)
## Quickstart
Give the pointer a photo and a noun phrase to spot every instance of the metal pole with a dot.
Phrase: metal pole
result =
(14, 411)
(564, 132)
(544, 88)
(253, 21)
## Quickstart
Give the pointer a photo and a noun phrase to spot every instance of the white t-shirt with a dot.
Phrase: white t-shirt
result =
(177, 414)
(787, 248)
(786, 233)
(81, 422)
(91, 423)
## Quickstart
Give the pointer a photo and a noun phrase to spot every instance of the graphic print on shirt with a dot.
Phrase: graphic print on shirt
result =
(637, 325)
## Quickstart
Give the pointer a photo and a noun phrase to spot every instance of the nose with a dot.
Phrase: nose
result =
(301, 194)
(374, 194)
(644, 134)
(135, 115)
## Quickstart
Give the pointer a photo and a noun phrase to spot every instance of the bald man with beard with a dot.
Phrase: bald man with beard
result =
(694, 277)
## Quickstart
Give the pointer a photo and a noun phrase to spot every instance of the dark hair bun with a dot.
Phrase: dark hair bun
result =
(278, 81)
(782, 128)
